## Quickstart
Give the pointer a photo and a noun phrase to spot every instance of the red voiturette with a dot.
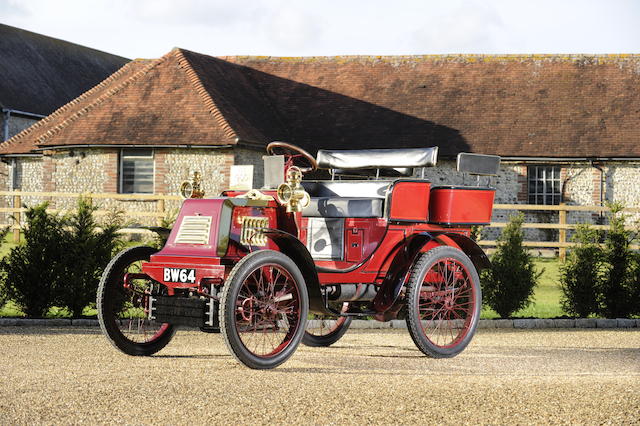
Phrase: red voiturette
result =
(296, 262)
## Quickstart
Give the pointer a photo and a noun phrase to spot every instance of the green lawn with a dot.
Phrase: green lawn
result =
(546, 299)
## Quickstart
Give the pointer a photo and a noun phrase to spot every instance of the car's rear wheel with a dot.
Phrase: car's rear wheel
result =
(443, 302)
(263, 309)
(123, 304)
(325, 330)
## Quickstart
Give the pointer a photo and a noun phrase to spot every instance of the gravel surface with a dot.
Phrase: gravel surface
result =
(73, 375)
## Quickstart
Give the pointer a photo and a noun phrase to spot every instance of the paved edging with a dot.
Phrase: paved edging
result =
(538, 323)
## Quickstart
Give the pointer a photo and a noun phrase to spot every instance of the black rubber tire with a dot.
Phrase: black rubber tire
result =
(227, 314)
(418, 272)
(110, 283)
(317, 341)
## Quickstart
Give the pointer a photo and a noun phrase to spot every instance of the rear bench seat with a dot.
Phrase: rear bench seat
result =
(360, 198)
(346, 198)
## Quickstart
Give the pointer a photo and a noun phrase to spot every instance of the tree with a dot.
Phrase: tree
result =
(3, 291)
(618, 286)
(87, 252)
(582, 274)
(509, 284)
(32, 269)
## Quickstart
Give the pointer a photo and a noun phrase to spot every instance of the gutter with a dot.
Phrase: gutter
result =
(28, 154)
(569, 159)
(257, 146)
(24, 113)
(66, 147)
(6, 112)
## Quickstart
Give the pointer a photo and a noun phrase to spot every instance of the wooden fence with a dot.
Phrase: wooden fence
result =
(160, 213)
(17, 209)
(562, 226)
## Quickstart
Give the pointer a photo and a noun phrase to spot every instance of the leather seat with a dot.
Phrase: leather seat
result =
(344, 207)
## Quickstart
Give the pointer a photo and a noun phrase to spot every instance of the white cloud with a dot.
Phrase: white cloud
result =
(150, 28)
(292, 28)
(469, 27)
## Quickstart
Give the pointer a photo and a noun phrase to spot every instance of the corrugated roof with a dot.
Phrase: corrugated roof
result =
(40, 74)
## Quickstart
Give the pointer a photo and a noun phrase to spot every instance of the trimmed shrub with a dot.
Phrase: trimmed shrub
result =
(87, 252)
(509, 284)
(32, 269)
(582, 274)
(3, 291)
(618, 286)
(635, 289)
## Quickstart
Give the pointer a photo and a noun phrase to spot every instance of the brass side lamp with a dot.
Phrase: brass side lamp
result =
(291, 193)
(193, 188)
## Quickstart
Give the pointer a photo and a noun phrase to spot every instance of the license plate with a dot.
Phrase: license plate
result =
(180, 275)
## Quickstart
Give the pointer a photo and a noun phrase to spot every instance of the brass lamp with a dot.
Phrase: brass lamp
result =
(193, 188)
(291, 193)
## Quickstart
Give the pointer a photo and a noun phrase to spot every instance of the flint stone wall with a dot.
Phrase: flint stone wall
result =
(96, 170)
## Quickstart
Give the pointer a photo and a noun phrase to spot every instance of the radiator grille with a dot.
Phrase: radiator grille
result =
(194, 230)
(251, 234)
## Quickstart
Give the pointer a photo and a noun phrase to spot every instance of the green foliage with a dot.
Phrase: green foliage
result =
(476, 232)
(618, 285)
(60, 261)
(582, 274)
(87, 251)
(162, 234)
(509, 284)
(3, 292)
(32, 269)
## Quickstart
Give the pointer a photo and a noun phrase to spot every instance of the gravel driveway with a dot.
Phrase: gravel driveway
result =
(72, 375)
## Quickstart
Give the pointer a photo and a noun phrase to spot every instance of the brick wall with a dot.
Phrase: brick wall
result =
(110, 182)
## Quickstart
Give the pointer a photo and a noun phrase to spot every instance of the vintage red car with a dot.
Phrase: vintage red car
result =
(296, 262)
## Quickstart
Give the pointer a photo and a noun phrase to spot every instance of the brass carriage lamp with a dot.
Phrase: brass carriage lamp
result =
(291, 193)
(193, 188)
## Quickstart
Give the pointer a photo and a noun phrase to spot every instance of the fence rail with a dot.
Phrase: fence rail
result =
(160, 213)
(17, 210)
(562, 226)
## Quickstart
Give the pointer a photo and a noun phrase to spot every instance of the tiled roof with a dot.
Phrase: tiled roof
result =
(514, 105)
(518, 106)
(146, 102)
(38, 74)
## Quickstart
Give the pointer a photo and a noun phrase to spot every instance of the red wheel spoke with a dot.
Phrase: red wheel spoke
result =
(276, 305)
(446, 302)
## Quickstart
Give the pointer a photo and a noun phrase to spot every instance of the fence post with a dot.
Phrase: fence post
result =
(160, 209)
(17, 205)
(562, 235)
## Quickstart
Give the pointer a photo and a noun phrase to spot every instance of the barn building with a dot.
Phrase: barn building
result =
(567, 127)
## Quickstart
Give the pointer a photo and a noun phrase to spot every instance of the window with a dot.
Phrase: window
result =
(136, 171)
(544, 185)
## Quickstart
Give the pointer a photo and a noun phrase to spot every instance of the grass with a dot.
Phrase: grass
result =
(546, 299)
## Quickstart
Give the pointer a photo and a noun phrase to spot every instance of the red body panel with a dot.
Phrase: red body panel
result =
(461, 205)
(410, 201)
(370, 243)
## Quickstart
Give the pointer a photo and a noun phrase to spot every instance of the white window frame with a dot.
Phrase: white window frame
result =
(121, 159)
(547, 175)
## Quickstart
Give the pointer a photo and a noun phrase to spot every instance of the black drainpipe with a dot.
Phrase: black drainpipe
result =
(5, 124)
(601, 170)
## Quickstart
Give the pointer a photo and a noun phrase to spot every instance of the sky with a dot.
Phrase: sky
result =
(151, 28)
